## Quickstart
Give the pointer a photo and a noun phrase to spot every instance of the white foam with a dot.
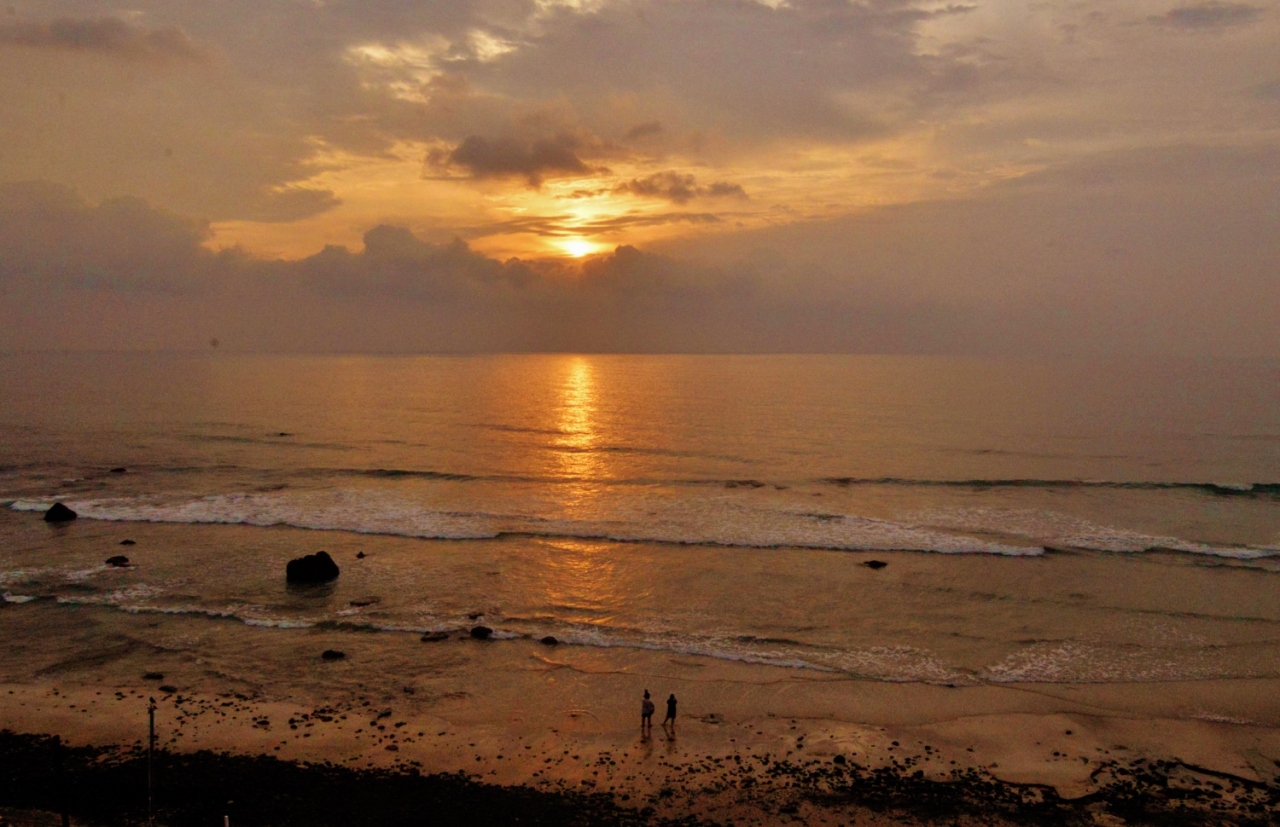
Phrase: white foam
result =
(1054, 529)
(715, 520)
(278, 623)
(1079, 662)
(17, 598)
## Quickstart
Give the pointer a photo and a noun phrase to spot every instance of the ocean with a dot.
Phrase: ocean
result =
(1041, 522)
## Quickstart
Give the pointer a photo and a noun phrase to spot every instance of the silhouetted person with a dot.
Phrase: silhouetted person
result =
(646, 714)
(671, 714)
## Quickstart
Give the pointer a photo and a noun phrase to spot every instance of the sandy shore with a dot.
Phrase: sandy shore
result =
(753, 744)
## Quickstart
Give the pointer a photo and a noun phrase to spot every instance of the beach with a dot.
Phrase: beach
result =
(518, 712)
(899, 593)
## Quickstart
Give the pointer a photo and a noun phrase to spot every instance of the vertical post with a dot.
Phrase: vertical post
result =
(60, 780)
(151, 745)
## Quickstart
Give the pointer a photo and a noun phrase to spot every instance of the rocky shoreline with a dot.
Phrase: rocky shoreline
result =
(107, 786)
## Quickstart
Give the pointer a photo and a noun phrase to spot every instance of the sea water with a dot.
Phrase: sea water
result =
(1042, 521)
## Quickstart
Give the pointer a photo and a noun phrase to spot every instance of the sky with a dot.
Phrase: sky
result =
(877, 176)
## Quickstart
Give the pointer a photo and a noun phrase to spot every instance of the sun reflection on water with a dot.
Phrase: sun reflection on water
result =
(580, 463)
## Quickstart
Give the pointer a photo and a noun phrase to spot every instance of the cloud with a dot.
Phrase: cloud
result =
(51, 238)
(395, 262)
(679, 188)
(644, 130)
(1209, 15)
(103, 35)
(1136, 252)
(533, 160)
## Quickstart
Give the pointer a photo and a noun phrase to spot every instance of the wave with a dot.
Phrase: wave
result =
(715, 521)
(1059, 662)
(690, 523)
(1219, 488)
(704, 521)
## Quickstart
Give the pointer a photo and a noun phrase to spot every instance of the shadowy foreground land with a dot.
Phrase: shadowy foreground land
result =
(107, 785)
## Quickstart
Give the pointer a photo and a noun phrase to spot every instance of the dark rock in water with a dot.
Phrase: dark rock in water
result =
(435, 637)
(314, 568)
(119, 470)
(359, 555)
(332, 654)
(875, 564)
(481, 632)
(59, 513)
(164, 687)
(549, 640)
(153, 676)
(119, 561)
(128, 542)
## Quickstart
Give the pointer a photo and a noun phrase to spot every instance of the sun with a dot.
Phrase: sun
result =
(577, 247)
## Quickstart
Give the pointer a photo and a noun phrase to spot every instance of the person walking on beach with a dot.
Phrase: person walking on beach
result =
(646, 714)
(671, 714)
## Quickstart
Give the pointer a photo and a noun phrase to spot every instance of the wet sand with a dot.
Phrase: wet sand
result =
(753, 744)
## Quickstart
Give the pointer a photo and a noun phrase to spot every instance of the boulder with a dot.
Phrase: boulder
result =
(332, 654)
(875, 564)
(59, 513)
(119, 561)
(314, 568)
(481, 632)
(549, 640)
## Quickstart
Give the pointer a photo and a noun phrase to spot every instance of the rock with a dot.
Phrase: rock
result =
(359, 555)
(839, 759)
(476, 615)
(550, 640)
(875, 564)
(153, 676)
(361, 602)
(481, 632)
(119, 561)
(59, 513)
(128, 542)
(435, 637)
(332, 654)
(314, 568)
(119, 470)
(164, 687)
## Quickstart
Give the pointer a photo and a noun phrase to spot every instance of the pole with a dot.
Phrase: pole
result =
(151, 745)
(61, 780)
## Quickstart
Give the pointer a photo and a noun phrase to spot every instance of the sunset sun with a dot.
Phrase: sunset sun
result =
(578, 247)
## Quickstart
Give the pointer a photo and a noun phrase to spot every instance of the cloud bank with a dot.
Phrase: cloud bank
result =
(1106, 257)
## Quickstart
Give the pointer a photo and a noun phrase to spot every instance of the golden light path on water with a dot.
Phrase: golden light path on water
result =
(575, 420)
(576, 578)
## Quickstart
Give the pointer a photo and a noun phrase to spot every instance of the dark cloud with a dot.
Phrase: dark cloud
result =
(50, 237)
(644, 130)
(533, 160)
(679, 188)
(103, 35)
(395, 262)
(1210, 15)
